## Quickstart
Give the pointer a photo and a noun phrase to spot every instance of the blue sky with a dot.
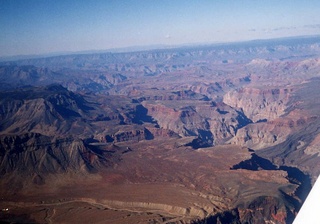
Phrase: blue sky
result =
(45, 26)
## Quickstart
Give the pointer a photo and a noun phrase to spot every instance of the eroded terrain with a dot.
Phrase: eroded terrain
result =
(215, 134)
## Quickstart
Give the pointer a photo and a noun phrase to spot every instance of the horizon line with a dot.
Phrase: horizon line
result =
(141, 48)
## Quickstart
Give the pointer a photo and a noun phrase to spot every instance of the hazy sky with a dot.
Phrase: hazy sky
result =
(43, 26)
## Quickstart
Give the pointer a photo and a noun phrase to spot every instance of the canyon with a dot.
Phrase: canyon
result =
(225, 133)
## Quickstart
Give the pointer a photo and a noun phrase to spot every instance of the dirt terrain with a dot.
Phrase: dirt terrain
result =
(135, 191)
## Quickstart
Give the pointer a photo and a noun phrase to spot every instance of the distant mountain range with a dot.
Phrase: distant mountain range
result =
(285, 40)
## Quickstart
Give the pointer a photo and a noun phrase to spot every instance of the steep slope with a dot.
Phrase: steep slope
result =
(259, 104)
(213, 123)
(55, 111)
(39, 157)
(298, 147)
(48, 110)
(16, 76)
(270, 133)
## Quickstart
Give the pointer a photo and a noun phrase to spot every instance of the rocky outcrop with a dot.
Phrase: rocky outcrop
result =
(44, 110)
(215, 90)
(271, 133)
(256, 136)
(280, 208)
(259, 104)
(162, 133)
(53, 110)
(35, 153)
(156, 94)
(17, 76)
(132, 134)
(266, 210)
(314, 147)
(212, 122)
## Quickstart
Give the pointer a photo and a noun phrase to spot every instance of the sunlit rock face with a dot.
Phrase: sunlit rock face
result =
(209, 120)
(259, 104)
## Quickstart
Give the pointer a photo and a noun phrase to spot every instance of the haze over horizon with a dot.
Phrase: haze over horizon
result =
(44, 26)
